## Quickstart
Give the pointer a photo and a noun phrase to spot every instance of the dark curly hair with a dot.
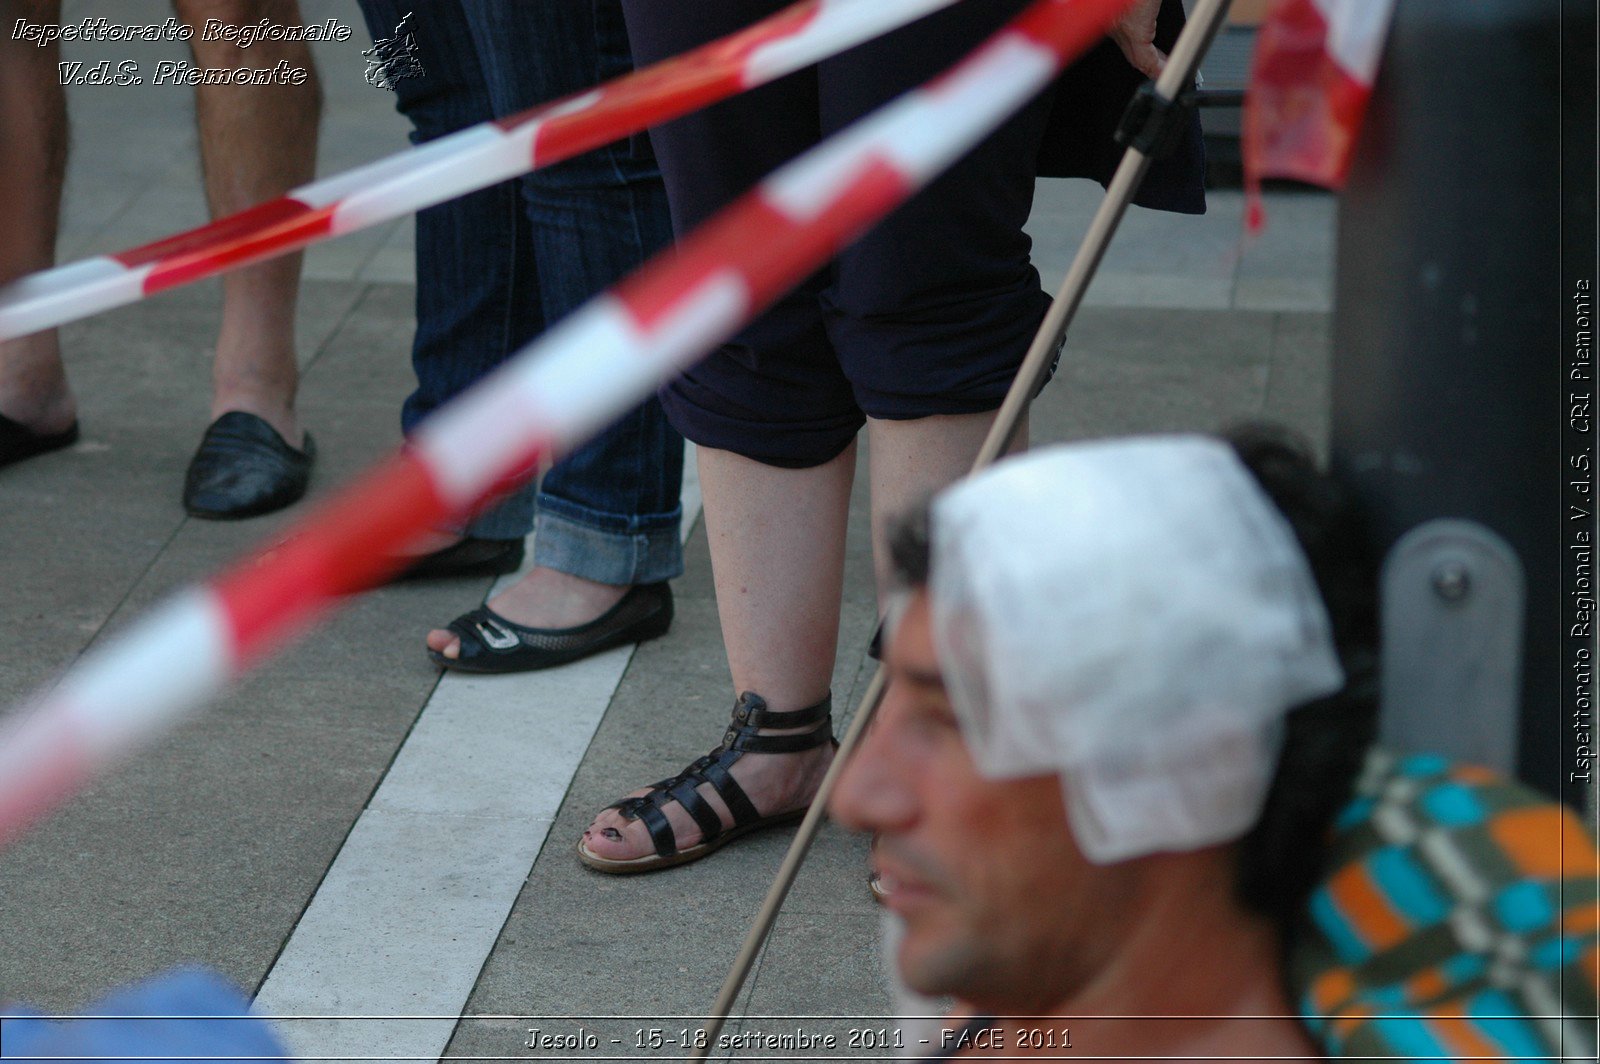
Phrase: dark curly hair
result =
(1325, 740)
(1282, 858)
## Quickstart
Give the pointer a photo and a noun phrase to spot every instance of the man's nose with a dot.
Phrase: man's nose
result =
(871, 794)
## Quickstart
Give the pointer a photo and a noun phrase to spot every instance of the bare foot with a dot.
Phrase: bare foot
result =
(774, 783)
(33, 384)
(544, 598)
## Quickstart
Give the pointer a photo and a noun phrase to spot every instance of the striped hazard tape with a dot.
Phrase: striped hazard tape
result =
(563, 388)
(453, 165)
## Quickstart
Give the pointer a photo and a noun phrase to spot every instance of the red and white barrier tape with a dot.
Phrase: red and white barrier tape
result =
(571, 383)
(454, 165)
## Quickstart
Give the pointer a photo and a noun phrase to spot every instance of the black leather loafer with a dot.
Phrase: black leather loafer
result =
(18, 441)
(244, 468)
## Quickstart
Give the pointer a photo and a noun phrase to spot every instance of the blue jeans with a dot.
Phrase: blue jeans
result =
(497, 267)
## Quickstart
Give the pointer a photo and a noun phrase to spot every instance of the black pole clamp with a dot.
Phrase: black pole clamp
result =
(1154, 125)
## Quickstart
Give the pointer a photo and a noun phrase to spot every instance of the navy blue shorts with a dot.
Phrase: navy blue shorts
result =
(930, 313)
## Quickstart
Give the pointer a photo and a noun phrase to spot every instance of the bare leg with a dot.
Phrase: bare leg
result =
(910, 460)
(777, 557)
(256, 143)
(33, 110)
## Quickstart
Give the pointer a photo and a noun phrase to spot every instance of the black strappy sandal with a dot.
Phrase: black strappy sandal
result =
(750, 715)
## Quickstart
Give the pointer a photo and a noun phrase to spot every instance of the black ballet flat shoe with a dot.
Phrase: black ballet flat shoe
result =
(243, 468)
(18, 441)
(491, 643)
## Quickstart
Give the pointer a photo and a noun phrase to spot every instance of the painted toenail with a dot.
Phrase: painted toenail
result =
(612, 834)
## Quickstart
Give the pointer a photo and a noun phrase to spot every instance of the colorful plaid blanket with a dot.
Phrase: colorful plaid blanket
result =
(1459, 921)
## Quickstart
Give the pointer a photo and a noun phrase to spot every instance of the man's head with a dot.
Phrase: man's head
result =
(984, 872)
(1005, 905)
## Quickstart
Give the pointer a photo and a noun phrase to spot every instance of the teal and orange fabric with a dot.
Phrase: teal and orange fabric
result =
(1460, 920)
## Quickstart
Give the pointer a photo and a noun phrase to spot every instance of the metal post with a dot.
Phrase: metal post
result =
(1448, 376)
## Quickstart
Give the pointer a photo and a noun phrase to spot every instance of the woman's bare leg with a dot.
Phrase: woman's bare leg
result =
(777, 557)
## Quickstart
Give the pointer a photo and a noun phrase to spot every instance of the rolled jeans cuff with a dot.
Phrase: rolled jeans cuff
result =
(642, 555)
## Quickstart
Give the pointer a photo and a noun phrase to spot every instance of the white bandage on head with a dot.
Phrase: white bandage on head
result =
(1136, 616)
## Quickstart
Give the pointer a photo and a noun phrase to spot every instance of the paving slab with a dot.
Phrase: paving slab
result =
(203, 849)
(1298, 386)
(208, 846)
(1141, 371)
(1289, 265)
(822, 966)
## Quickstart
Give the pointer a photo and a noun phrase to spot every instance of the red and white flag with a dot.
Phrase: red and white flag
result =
(1314, 66)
